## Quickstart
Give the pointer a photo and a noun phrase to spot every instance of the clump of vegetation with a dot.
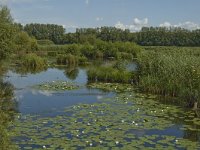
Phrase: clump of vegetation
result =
(33, 61)
(98, 50)
(71, 60)
(109, 74)
(67, 60)
(170, 72)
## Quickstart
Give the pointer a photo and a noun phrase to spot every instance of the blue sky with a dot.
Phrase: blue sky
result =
(131, 14)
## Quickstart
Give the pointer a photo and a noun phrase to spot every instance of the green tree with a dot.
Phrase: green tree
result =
(7, 32)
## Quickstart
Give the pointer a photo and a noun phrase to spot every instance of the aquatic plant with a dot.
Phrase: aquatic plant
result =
(56, 86)
(119, 122)
(67, 60)
(109, 74)
(170, 72)
(33, 61)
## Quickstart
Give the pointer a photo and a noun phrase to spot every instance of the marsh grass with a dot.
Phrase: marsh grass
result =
(71, 60)
(174, 72)
(67, 60)
(109, 74)
(33, 61)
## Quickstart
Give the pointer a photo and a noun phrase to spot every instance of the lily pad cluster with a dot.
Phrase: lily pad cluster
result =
(57, 86)
(127, 121)
(112, 87)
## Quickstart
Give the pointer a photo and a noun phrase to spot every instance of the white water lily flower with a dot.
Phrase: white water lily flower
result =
(133, 122)
(100, 142)
(116, 142)
(91, 144)
(122, 121)
(44, 146)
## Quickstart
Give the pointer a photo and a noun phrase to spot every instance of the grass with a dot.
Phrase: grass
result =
(109, 74)
(173, 71)
(33, 61)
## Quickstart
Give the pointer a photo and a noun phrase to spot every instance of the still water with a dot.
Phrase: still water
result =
(89, 118)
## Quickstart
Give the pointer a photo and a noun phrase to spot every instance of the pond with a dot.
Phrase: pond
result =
(56, 109)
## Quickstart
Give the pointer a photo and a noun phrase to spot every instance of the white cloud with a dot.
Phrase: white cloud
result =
(99, 18)
(165, 24)
(186, 25)
(87, 2)
(136, 26)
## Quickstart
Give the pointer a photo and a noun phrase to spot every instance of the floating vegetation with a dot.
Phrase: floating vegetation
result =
(112, 87)
(57, 86)
(127, 121)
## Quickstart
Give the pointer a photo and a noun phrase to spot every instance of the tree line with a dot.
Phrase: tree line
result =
(148, 36)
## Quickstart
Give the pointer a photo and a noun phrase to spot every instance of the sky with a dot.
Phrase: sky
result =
(124, 14)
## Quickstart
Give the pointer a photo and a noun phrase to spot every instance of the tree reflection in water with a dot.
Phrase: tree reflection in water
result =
(71, 72)
(22, 70)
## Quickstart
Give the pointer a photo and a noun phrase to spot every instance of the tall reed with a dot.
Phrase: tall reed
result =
(170, 72)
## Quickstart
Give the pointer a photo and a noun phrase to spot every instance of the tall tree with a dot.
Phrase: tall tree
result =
(7, 32)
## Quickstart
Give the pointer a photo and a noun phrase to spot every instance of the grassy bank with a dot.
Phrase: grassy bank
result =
(170, 71)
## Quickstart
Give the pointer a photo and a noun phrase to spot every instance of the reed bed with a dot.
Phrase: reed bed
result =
(174, 72)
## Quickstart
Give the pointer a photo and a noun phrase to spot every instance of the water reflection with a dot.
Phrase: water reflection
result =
(8, 107)
(71, 72)
(23, 70)
(46, 103)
